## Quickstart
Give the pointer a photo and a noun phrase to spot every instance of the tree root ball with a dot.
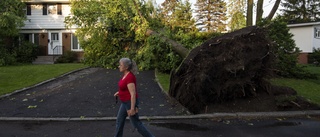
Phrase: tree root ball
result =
(234, 65)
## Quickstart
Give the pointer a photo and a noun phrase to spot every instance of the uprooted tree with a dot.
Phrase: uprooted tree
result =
(231, 66)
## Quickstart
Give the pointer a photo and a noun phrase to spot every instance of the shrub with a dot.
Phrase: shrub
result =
(67, 57)
(6, 58)
(314, 58)
(286, 52)
(26, 52)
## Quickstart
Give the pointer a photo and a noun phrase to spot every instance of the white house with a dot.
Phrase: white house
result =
(307, 37)
(45, 27)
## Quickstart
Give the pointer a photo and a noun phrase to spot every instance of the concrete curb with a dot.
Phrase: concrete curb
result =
(237, 115)
(41, 83)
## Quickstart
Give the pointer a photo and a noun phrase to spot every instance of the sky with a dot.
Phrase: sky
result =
(267, 5)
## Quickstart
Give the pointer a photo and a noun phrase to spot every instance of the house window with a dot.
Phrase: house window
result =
(317, 33)
(55, 36)
(75, 43)
(27, 37)
(28, 9)
(36, 38)
(52, 9)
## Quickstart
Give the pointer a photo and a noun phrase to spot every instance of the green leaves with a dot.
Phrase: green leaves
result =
(11, 17)
(109, 29)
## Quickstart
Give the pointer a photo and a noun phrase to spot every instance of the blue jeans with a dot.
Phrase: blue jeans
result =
(135, 121)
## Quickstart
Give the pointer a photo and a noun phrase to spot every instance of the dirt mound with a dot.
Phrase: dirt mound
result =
(227, 70)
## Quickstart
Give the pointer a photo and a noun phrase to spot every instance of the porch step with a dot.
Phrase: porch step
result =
(45, 60)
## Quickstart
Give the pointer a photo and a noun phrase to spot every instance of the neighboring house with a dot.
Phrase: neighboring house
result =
(45, 27)
(307, 37)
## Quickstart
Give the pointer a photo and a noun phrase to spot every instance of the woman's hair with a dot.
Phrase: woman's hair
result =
(132, 66)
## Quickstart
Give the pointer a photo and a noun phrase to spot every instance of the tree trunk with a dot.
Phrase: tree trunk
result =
(249, 12)
(274, 9)
(259, 11)
(177, 47)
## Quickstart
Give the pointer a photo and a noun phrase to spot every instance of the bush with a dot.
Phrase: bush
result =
(314, 58)
(286, 52)
(67, 57)
(6, 58)
(26, 52)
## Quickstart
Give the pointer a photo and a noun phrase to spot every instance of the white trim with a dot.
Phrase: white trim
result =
(46, 31)
(303, 24)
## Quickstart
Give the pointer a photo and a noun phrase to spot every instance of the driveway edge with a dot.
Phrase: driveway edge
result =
(237, 115)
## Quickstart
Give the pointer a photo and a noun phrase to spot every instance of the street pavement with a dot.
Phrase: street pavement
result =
(281, 127)
(80, 104)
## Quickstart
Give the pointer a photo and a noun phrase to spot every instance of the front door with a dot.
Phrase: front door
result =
(54, 45)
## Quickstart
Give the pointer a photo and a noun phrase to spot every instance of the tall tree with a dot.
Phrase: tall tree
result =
(183, 17)
(168, 8)
(12, 16)
(177, 15)
(296, 11)
(211, 15)
(274, 10)
(236, 10)
(249, 12)
(238, 21)
(259, 11)
(250, 4)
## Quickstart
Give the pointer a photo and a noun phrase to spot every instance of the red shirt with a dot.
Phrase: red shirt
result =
(124, 93)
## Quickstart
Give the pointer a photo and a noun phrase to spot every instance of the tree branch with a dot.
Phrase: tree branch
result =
(274, 9)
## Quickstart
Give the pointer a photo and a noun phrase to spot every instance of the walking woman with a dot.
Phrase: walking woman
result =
(129, 99)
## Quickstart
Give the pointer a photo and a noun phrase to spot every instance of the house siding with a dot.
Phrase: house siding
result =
(303, 37)
(39, 21)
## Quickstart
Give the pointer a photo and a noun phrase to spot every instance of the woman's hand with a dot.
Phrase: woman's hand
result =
(131, 112)
(116, 94)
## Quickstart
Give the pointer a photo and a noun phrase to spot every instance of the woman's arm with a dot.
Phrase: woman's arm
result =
(132, 90)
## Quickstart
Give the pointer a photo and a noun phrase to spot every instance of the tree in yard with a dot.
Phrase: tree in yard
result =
(211, 15)
(249, 12)
(259, 10)
(296, 11)
(12, 17)
(167, 10)
(177, 15)
(111, 29)
(236, 9)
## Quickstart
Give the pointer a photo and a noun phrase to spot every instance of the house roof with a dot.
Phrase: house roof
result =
(303, 24)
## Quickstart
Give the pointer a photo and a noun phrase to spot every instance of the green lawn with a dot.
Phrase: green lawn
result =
(17, 77)
(309, 89)
(164, 80)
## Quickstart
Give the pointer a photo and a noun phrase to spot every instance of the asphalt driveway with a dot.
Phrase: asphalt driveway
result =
(87, 93)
